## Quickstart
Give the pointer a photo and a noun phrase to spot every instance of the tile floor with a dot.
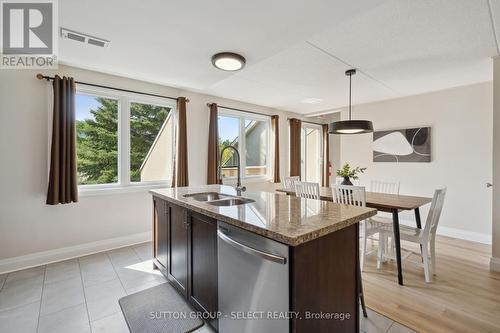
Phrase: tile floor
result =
(81, 295)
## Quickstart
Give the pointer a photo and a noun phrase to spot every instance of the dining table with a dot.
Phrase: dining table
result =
(384, 202)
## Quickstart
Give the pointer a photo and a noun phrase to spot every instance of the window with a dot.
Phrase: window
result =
(123, 139)
(311, 152)
(151, 142)
(253, 146)
(96, 139)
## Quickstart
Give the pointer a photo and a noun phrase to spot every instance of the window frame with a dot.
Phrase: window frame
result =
(125, 99)
(303, 151)
(242, 116)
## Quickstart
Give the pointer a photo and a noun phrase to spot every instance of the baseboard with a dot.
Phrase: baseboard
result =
(495, 264)
(465, 234)
(458, 233)
(51, 256)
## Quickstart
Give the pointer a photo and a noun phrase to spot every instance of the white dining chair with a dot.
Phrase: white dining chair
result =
(349, 195)
(356, 196)
(307, 190)
(380, 186)
(384, 187)
(289, 182)
(425, 237)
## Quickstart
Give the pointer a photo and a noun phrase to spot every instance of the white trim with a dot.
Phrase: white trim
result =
(124, 100)
(468, 235)
(65, 253)
(242, 116)
(465, 235)
(106, 189)
(247, 180)
(238, 114)
(495, 264)
(303, 148)
(123, 141)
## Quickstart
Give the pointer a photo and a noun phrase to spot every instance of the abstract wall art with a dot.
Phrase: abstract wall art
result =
(405, 145)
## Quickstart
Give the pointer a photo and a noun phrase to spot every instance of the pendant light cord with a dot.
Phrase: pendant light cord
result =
(350, 89)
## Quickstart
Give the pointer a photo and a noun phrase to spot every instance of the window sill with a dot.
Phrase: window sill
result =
(95, 190)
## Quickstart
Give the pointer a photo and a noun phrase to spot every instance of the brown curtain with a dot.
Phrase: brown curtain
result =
(295, 131)
(325, 177)
(180, 173)
(213, 146)
(275, 127)
(63, 182)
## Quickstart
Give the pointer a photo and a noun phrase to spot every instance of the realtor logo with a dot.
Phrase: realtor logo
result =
(29, 34)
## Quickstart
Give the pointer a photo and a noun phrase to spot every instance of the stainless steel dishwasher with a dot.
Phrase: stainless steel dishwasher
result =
(253, 282)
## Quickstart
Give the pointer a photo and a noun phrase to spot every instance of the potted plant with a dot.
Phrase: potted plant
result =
(347, 173)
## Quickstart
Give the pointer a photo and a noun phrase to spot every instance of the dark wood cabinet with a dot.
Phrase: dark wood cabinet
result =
(177, 226)
(185, 251)
(202, 289)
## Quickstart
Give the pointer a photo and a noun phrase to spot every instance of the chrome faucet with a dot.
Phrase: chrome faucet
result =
(238, 188)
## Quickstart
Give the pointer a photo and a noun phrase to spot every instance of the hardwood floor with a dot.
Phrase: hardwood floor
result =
(464, 296)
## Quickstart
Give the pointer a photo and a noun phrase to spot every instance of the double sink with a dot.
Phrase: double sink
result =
(218, 199)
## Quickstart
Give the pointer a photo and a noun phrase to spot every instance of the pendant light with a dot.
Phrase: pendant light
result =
(350, 126)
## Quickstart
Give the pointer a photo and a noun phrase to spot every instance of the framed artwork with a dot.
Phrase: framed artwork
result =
(410, 145)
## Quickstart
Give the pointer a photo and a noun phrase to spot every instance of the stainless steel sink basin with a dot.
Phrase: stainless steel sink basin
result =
(231, 202)
(206, 196)
(217, 199)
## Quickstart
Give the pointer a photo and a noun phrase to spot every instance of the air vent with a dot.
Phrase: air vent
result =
(76, 37)
(84, 38)
(96, 42)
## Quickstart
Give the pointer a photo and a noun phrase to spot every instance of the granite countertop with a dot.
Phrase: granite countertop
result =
(286, 219)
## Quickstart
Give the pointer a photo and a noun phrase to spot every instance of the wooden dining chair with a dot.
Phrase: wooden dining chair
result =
(289, 182)
(426, 237)
(307, 190)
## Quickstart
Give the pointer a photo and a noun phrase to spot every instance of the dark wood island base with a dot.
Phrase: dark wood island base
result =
(323, 278)
(324, 283)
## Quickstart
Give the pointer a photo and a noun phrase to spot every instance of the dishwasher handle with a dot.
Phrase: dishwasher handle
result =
(251, 250)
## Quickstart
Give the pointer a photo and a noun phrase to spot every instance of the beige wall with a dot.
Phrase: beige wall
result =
(461, 153)
(38, 232)
(495, 261)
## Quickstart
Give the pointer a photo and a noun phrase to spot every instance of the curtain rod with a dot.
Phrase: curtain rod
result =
(49, 78)
(307, 122)
(240, 110)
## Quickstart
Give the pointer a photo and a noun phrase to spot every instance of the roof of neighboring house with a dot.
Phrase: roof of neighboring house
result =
(155, 141)
(249, 128)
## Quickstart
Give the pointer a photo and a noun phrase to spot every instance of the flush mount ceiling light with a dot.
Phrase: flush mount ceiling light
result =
(312, 100)
(350, 126)
(228, 61)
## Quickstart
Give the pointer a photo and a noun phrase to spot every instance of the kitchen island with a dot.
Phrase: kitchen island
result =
(260, 262)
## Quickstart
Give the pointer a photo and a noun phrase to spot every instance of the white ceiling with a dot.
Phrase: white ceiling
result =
(295, 49)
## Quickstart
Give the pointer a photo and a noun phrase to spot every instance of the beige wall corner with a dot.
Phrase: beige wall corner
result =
(495, 259)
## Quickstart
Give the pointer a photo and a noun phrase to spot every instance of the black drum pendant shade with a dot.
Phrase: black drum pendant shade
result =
(350, 126)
